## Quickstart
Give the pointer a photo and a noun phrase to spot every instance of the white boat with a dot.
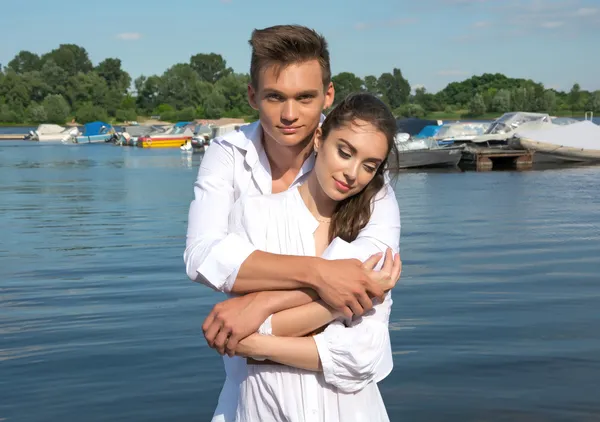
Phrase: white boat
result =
(505, 127)
(425, 152)
(53, 133)
(576, 142)
(460, 132)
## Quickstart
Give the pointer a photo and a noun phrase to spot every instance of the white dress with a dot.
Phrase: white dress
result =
(355, 354)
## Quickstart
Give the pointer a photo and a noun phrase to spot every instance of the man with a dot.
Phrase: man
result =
(290, 87)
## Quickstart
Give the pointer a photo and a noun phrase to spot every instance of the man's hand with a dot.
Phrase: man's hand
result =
(232, 320)
(347, 285)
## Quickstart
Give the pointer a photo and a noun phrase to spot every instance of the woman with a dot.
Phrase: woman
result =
(331, 376)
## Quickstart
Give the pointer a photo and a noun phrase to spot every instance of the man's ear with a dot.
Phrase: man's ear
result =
(329, 96)
(252, 97)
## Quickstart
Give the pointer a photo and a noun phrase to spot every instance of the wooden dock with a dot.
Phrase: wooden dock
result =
(485, 159)
(12, 137)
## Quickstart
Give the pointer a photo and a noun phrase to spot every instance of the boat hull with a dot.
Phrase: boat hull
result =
(437, 157)
(162, 142)
(546, 152)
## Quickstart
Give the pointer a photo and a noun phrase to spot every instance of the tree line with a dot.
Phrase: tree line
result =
(64, 85)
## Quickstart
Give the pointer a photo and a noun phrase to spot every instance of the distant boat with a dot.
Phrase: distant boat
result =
(52, 133)
(425, 152)
(95, 132)
(577, 142)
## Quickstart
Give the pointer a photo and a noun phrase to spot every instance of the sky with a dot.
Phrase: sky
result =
(433, 42)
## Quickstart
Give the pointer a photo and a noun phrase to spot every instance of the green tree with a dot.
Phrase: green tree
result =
(126, 115)
(501, 101)
(57, 109)
(210, 67)
(36, 113)
(214, 105)
(25, 61)
(71, 58)
(574, 97)
(410, 110)
(187, 114)
(549, 101)
(594, 102)
(371, 84)
(477, 106)
(346, 83)
(394, 88)
(115, 77)
(89, 112)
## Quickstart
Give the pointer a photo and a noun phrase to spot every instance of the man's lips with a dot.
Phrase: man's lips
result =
(289, 129)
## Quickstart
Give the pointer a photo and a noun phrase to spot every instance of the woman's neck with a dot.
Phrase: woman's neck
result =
(318, 203)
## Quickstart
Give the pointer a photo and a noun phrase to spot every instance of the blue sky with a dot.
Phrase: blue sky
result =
(433, 42)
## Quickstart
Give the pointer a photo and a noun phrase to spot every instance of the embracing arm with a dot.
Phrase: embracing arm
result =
(349, 356)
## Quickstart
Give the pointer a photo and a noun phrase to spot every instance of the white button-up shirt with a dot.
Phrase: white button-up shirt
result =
(355, 354)
(237, 164)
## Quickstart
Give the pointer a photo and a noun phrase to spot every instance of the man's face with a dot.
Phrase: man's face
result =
(290, 103)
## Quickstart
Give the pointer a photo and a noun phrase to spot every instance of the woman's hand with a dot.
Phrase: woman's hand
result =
(390, 272)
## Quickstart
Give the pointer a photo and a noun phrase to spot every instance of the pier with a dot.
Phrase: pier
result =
(12, 137)
(485, 159)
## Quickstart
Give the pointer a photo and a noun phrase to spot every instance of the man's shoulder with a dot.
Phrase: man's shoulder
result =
(242, 139)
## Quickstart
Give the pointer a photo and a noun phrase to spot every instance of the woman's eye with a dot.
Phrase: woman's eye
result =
(343, 154)
(370, 169)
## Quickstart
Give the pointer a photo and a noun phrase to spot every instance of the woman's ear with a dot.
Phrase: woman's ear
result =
(318, 139)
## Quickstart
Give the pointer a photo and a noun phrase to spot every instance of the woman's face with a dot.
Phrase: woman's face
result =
(349, 158)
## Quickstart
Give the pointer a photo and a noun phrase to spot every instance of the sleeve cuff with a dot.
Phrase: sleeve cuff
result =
(221, 266)
(325, 356)
(266, 328)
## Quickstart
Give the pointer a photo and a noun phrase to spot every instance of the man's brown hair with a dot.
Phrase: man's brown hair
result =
(283, 45)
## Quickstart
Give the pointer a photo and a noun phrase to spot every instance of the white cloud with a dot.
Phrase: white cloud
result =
(129, 36)
(482, 24)
(586, 11)
(551, 24)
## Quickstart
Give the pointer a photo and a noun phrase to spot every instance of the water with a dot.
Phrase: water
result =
(495, 319)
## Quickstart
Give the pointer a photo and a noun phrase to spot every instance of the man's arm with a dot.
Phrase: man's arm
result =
(227, 262)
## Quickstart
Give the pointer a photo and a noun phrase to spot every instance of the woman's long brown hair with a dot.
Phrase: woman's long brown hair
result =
(353, 213)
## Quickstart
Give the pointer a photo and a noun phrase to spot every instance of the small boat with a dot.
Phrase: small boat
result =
(459, 132)
(417, 153)
(576, 142)
(173, 137)
(95, 132)
(504, 128)
(52, 133)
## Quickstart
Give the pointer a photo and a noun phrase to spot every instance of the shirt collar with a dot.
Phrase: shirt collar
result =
(249, 139)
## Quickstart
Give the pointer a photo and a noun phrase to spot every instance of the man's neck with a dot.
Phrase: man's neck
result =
(286, 162)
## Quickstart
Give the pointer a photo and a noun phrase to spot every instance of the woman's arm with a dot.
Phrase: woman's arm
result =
(349, 356)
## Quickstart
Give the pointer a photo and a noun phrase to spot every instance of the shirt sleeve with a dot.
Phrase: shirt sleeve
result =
(213, 254)
(383, 229)
(358, 352)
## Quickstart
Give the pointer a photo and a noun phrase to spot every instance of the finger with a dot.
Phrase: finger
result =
(376, 291)
(365, 301)
(347, 312)
(221, 339)
(370, 263)
(211, 333)
(356, 308)
(208, 321)
(397, 268)
(231, 344)
(389, 262)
